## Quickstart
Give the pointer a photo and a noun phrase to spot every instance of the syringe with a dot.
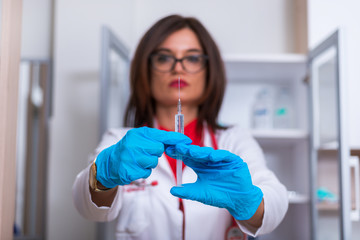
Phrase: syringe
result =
(179, 127)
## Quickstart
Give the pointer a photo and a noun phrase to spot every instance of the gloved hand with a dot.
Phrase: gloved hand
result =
(223, 180)
(134, 156)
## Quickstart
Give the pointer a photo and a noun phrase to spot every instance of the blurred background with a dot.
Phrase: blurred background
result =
(73, 85)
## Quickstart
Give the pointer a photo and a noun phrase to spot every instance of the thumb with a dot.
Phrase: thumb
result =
(186, 191)
(165, 137)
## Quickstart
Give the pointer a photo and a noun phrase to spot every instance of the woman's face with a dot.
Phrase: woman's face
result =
(164, 85)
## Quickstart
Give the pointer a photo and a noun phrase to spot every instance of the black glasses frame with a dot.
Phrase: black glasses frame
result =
(178, 60)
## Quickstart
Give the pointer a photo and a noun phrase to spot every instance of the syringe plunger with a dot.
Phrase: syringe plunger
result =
(179, 127)
(179, 123)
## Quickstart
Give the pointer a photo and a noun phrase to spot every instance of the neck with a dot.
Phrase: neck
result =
(165, 115)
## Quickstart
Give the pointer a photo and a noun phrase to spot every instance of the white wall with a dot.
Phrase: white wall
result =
(238, 26)
(323, 18)
(0, 15)
(74, 126)
(36, 29)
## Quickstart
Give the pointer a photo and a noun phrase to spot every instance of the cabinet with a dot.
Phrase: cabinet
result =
(324, 19)
(331, 164)
(286, 150)
(312, 158)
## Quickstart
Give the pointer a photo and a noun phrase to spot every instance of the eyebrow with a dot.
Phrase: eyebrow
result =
(187, 51)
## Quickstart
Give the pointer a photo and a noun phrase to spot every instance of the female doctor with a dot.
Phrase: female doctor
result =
(228, 191)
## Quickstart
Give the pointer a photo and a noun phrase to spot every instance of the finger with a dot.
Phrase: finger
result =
(181, 149)
(200, 153)
(186, 191)
(194, 191)
(194, 151)
(147, 162)
(223, 155)
(192, 155)
(165, 137)
(206, 154)
(171, 151)
(143, 145)
(141, 173)
(151, 148)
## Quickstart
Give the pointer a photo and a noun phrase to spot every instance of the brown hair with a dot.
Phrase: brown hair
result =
(140, 110)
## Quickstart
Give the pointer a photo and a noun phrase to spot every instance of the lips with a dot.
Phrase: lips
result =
(178, 84)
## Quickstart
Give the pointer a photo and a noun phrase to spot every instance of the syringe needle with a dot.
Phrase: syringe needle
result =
(179, 87)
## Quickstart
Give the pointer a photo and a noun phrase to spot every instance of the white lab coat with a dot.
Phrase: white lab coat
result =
(151, 212)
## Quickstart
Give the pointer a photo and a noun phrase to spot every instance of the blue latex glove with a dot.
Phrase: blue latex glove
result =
(223, 180)
(134, 156)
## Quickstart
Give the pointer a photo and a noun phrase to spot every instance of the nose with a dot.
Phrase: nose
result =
(178, 67)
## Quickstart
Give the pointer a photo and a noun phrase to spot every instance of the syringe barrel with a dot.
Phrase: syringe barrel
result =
(179, 123)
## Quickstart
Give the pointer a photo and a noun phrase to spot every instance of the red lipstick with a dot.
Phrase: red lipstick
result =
(178, 84)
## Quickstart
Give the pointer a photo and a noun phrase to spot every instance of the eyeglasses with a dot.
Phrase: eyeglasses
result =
(166, 63)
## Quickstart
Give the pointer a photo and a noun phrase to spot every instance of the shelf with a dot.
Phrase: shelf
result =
(326, 206)
(297, 198)
(277, 67)
(280, 135)
(334, 147)
(329, 146)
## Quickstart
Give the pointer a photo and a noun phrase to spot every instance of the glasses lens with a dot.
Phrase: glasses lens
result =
(194, 63)
(162, 62)
(166, 63)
